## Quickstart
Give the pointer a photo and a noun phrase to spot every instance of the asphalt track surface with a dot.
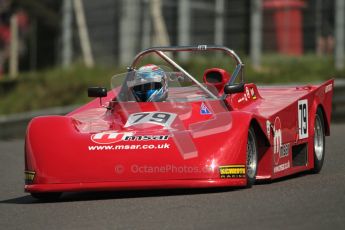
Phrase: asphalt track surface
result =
(305, 201)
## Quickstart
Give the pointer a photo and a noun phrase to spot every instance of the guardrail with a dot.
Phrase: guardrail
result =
(14, 126)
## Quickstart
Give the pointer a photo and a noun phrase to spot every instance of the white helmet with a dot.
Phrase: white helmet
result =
(149, 84)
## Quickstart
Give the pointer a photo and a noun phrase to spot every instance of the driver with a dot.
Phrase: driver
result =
(149, 84)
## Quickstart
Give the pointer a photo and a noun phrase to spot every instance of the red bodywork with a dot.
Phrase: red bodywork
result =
(92, 148)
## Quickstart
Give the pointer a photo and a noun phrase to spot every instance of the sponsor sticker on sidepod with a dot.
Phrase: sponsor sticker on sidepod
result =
(105, 138)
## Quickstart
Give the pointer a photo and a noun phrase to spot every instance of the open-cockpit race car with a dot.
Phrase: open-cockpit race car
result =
(159, 128)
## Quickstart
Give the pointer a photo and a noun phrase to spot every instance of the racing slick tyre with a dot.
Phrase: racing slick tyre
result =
(252, 158)
(46, 196)
(319, 141)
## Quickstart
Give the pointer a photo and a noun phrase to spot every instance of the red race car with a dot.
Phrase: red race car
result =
(159, 127)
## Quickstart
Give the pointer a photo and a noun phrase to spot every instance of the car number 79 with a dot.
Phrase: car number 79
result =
(158, 118)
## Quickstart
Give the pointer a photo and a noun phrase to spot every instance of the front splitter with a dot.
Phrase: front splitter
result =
(136, 185)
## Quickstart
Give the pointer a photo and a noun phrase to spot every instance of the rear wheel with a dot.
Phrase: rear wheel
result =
(252, 158)
(319, 141)
(46, 196)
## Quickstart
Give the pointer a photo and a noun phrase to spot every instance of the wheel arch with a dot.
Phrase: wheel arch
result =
(263, 145)
(326, 124)
(261, 136)
(316, 161)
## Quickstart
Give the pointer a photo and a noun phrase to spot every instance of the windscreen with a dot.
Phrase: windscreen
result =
(178, 86)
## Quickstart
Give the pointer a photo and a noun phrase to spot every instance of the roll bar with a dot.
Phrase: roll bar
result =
(160, 51)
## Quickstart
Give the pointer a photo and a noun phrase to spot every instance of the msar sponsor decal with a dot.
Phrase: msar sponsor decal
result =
(106, 139)
(280, 150)
(281, 167)
(113, 137)
(277, 140)
(128, 147)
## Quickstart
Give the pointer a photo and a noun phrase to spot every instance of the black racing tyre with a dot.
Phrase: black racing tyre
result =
(46, 196)
(252, 158)
(319, 141)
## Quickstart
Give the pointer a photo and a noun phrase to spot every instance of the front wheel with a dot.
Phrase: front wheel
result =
(319, 141)
(252, 158)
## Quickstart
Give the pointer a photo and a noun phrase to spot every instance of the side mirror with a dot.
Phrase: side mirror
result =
(97, 92)
(236, 88)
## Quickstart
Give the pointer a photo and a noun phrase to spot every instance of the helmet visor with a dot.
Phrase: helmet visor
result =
(145, 91)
